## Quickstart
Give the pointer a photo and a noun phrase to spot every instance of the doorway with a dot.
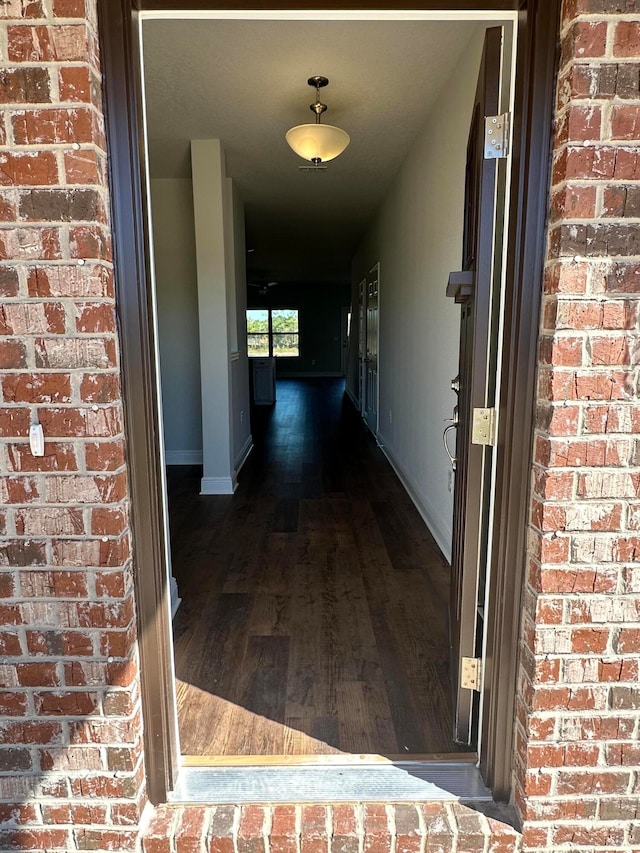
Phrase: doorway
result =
(544, 34)
(419, 361)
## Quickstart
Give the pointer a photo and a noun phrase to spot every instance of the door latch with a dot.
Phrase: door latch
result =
(483, 428)
(471, 673)
(452, 458)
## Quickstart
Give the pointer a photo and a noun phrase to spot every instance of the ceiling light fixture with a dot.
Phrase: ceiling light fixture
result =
(317, 142)
(263, 289)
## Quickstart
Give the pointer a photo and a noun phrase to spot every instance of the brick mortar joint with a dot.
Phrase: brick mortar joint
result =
(590, 183)
(597, 145)
(48, 106)
(607, 58)
(36, 148)
(564, 221)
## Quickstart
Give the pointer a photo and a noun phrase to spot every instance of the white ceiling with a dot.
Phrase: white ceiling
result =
(245, 82)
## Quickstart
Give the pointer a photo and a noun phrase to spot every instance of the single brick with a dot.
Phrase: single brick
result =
(408, 831)
(158, 834)
(377, 833)
(61, 43)
(220, 839)
(440, 827)
(345, 835)
(471, 827)
(56, 205)
(25, 85)
(626, 39)
(76, 84)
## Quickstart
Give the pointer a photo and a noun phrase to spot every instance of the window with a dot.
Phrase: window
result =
(273, 331)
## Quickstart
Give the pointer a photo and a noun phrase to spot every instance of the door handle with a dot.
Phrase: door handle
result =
(452, 458)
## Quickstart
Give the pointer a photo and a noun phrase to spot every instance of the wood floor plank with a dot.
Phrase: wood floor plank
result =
(261, 693)
(208, 721)
(364, 717)
(352, 626)
(286, 516)
(314, 599)
(434, 696)
(406, 545)
(265, 668)
(310, 685)
(311, 736)
(270, 614)
(404, 705)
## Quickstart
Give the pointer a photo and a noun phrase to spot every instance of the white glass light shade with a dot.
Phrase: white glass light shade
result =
(317, 141)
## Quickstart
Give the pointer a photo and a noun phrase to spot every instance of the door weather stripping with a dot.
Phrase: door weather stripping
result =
(496, 136)
(483, 429)
(471, 673)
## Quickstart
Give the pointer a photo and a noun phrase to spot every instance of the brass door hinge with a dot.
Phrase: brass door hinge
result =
(483, 428)
(471, 673)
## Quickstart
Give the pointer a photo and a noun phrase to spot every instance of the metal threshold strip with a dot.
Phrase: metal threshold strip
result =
(398, 781)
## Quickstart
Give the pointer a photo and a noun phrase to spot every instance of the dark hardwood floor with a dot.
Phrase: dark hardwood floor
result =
(314, 614)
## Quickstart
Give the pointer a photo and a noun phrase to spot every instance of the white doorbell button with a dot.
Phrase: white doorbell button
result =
(36, 439)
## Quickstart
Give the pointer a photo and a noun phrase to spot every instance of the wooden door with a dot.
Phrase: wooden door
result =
(472, 288)
(345, 330)
(362, 349)
(371, 360)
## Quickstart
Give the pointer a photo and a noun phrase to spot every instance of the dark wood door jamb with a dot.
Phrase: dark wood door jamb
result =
(535, 82)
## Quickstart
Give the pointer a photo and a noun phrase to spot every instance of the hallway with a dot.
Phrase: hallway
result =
(314, 600)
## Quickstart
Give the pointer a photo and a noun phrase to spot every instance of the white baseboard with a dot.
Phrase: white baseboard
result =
(243, 455)
(176, 601)
(440, 530)
(353, 398)
(183, 457)
(218, 485)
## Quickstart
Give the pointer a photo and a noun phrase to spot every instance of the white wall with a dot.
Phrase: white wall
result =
(211, 214)
(240, 422)
(177, 299)
(176, 272)
(417, 237)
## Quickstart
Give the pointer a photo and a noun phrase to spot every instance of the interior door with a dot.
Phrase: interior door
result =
(344, 339)
(362, 346)
(371, 359)
(472, 288)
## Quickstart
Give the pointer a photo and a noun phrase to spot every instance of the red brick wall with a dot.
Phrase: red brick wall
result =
(70, 740)
(319, 828)
(577, 750)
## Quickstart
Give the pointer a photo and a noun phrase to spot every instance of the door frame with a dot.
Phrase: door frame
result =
(344, 338)
(538, 36)
(362, 336)
(374, 272)
(485, 190)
